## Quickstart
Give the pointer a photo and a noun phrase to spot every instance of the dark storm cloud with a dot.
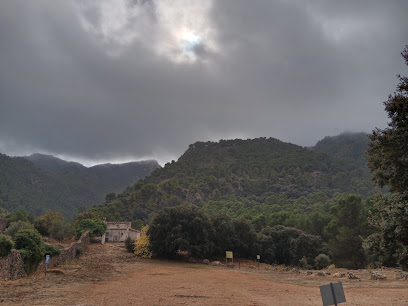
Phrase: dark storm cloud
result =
(294, 70)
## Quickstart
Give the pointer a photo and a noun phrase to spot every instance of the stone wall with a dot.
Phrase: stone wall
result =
(69, 253)
(12, 266)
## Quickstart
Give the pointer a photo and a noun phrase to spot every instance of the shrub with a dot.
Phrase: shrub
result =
(129, 243)
(50, 250)
(322, 261)
(304, 264)
(17, 226)
(96, 227)
(142, 245)
(6, 244)
(78, 252)
(29, 244)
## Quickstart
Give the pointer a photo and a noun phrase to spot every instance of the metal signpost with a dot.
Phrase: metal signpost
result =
(332, 294)
(47, 261)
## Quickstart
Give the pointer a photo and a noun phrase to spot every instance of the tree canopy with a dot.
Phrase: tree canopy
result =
(388, 161)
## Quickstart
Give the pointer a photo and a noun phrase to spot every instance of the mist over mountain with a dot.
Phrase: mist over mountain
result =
(350, 147)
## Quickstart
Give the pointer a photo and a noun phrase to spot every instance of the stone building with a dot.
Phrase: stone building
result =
(119, 232)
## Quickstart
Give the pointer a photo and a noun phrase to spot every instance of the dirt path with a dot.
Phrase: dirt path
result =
(107, 275)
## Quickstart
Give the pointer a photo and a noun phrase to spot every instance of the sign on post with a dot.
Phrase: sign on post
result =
(229, 255)
(47, 261)
(332, 294)
(258, 259)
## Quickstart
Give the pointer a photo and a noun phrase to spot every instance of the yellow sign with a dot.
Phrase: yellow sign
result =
(228, 254)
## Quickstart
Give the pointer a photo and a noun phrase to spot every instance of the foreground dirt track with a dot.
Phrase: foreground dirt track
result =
(107, 275)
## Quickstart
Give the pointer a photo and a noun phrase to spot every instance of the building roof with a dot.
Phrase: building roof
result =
(118, 225)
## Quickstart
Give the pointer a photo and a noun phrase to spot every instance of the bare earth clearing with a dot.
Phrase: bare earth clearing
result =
(108, 275)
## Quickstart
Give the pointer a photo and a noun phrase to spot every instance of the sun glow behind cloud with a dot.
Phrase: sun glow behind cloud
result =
(179, 30)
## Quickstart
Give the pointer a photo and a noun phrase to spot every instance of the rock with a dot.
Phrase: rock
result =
(327, 273)
(192, 260)
(402, 276)
(295, 270)
(274, 269)
(339, 274)
(320, 273)
(309, 272)
(377, 275)
(206, 262)
(230, 265)
(351, 275)
(216, 263)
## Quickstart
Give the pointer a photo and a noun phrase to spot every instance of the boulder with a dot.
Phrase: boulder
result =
(377, 276)
(216, 263)
(206, 262)
(351, 275)
(402, 276)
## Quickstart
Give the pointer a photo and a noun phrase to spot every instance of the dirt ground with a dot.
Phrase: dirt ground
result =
(108, 275)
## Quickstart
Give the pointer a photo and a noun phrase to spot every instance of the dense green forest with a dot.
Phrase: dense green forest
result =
(264, 194)
(259, 179)
(41, 182)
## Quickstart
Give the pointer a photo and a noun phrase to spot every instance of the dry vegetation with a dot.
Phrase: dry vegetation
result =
(107, 275)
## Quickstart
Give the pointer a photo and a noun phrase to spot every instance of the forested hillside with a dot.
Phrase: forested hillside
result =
(260, 179)
(349, 147)
(41, 182)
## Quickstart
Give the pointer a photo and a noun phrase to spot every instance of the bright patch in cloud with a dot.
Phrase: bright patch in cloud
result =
(179, 30)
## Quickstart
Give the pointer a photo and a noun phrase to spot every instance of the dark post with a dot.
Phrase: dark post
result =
(334, 295)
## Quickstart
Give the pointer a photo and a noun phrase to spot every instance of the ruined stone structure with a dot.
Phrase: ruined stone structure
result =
(12, 266)
(73, 251)
(119, 231)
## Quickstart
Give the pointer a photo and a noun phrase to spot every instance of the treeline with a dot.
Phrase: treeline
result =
(243, 178)
(191, 229)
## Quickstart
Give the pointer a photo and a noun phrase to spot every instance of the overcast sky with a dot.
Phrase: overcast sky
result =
(119, 80)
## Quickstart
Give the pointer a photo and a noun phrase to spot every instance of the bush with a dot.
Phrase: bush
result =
(29, 244)
(51, 250)
(322, 261)
(304, 264)
(142, 245)
(6, 244)
(129, 243)
(78, 252)
(17, 226)
(96, 227)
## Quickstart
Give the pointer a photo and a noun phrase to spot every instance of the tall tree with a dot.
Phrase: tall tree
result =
(345, 232)
(388, 161)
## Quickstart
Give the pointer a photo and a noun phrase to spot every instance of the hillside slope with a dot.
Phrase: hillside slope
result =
(349, 147)
(241, 178)
(41, 182)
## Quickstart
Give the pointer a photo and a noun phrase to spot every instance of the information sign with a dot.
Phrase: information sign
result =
(229, 255)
